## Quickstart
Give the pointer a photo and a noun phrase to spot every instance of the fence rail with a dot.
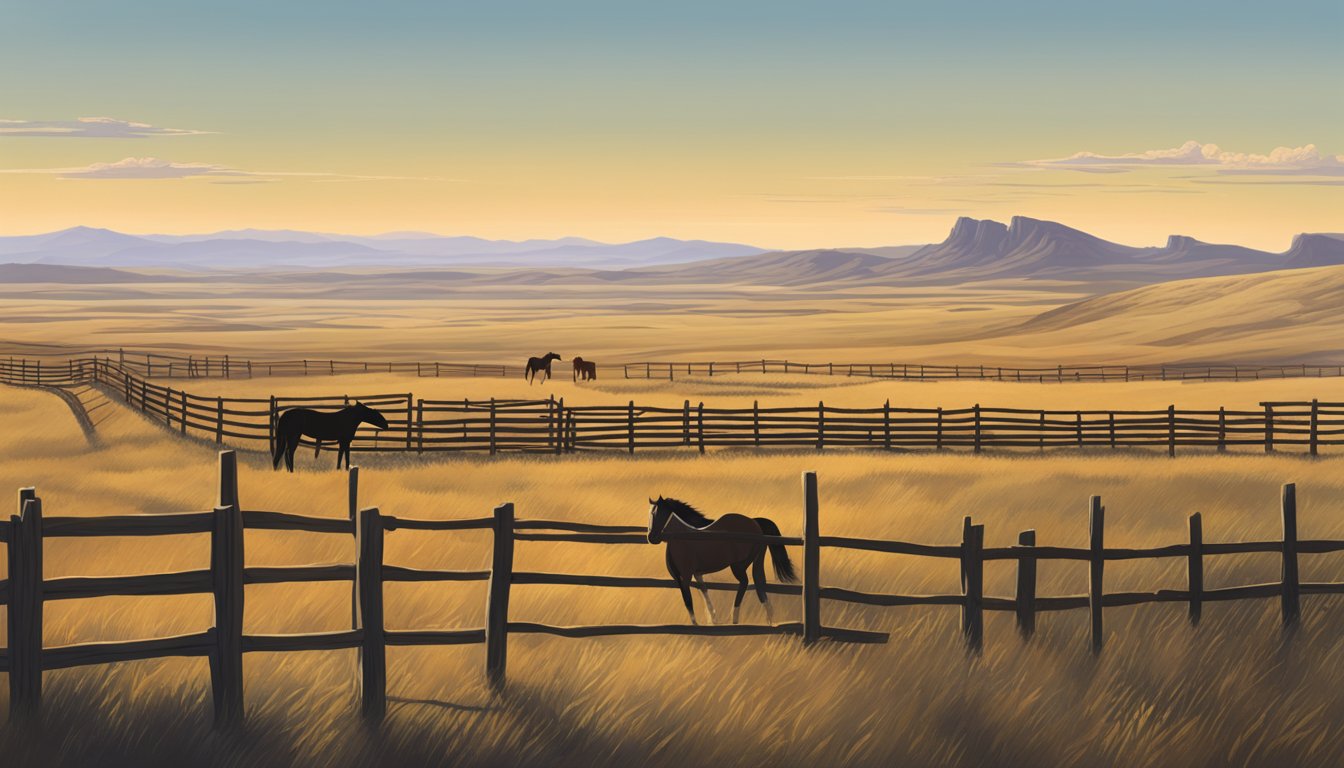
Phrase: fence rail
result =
(550, 426)
(156, 364)
(25, 590)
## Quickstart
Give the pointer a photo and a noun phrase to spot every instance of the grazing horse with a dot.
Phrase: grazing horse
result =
(536, 365)
(584, 370)
(333, 425)
(689, 557)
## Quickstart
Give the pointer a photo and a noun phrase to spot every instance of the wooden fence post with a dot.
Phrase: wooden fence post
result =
(1292, 610)
(973, 593)
(25, 607)
(352, 509)
(938, 438)
(886, 425)
(559, 426)
(410, 423)
(976, 412)
(630, 426)
(700, 425)
(226, 571)
(821, 425)
(1195, 569)
(1097, 562)
(373, 647)
(497, 600)
(1313, 437)
(686, 422)
(219, 420)
(1171, 430)
(183, 399)
(492, 426)
(811, 560)
(1026, 585)
(420, 425)
(1269, 428)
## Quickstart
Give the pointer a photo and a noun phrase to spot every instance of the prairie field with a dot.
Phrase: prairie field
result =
(1235, 690)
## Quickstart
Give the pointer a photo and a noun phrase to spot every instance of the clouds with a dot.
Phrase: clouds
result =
(154, 168)
(89, 128)
(1306, 160)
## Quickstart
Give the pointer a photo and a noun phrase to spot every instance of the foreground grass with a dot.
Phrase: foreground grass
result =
(1233, 691)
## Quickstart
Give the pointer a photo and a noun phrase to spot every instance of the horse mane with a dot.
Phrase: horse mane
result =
(688, 514)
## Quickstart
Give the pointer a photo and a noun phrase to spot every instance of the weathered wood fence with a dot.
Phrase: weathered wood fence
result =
(551, 426)
(225, 644)
(154, 364)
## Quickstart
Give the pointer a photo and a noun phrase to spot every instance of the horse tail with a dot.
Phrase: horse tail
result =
(279, 449)
(783, 565)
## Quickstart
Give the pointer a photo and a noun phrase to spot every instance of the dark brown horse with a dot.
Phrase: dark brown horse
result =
(536, 365)
(338, 425)
(688, 557)
(584, 370)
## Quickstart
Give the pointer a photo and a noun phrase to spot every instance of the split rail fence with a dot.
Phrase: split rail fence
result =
(153, 364)
(26, 590)
(551, 426)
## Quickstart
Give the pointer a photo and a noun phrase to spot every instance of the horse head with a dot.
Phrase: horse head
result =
(369, 415)
(658, 514)
(551, 356)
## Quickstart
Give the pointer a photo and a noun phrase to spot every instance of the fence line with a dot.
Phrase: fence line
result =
(153, 364)
(225, 643)
(550, 426)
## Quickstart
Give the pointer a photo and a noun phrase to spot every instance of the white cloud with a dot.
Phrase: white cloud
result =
(1306, 160)
(89, 127)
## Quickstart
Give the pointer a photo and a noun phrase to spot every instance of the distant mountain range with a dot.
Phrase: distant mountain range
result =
(974, 251)
(250, 249)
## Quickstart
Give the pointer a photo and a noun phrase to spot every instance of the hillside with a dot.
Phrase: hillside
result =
(1244, 317)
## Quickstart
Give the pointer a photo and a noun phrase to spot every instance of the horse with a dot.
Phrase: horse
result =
(332, 425)
(584, 370)
(688, 557)
(537, 365)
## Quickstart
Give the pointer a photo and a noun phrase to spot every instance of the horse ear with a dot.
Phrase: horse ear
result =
(651, 501)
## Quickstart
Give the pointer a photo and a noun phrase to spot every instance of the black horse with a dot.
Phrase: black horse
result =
(536, 365)
(338, 425)
(584, 369)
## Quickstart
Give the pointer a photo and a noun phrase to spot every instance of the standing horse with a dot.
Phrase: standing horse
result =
(689, 557)
(338, 425)
(584, 370)
(536, 365)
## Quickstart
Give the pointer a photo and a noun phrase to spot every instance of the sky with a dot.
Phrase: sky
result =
(780, 124)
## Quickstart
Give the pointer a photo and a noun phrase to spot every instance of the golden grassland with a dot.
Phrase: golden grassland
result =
(1233, 691)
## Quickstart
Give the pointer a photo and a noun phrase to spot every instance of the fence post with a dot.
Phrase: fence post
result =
(1222, 429)
(976, 412)
(226, 570)
(559, 426)
(886, 425)
(630, 426)
(973, 593)
(497, 600)
(1269, 428)
(1171, 430)
(274, 417)
(1195, 569)
(1313, 438)
(1111, 419)
(938, 438)
(352, 509)
(219, 420)
(420, 425)
(183, 398)
(228, 369)
(492, 426)
(1292, 610)
(686, 422)
(410, 401)
(700, 425)
(373, 648)
(1026, 585)
(821, 425)
(1098, 563)
(25, 607)
(811, 561)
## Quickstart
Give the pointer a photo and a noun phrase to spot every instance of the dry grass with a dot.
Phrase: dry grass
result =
(1232, 692)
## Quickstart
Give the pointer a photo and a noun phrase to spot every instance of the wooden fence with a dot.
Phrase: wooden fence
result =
(225, 644)
(551, 426)
(152, 364)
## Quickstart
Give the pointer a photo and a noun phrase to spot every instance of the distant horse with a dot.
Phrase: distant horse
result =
(332, 425)
(536, 365)
(584, 370)
(690, 557)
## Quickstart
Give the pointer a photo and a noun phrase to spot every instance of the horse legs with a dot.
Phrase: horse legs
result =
(290, 447)
(317, 448)
(343, 453)
(684, 586)
(704, 591)
(740, 571)
(758, 575)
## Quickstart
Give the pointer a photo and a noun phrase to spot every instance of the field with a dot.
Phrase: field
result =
(1232, 691)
